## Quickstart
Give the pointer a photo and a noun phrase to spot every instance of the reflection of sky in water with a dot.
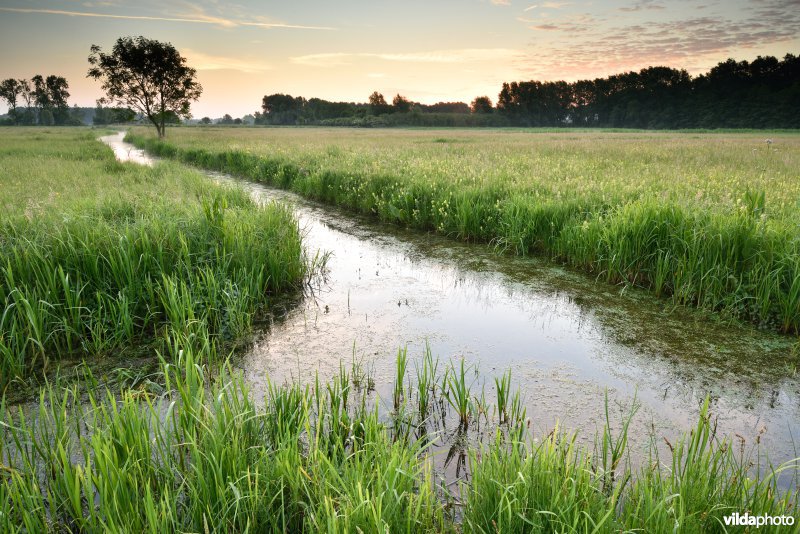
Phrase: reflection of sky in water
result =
(565, 338)
(125, 151)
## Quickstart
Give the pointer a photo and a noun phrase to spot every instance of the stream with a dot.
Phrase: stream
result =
(569, 341)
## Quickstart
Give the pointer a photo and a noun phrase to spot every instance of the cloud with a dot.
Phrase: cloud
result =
(202, 61)
(642, 5)
(573, 24)
(596, 48)
(464, 55)
(501, 2)
(199, 18)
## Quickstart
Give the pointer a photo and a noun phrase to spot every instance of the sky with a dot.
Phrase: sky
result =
(428, 51)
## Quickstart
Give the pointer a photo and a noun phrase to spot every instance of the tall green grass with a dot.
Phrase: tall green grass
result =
(628, 210)
(95, 275)
(203, 457)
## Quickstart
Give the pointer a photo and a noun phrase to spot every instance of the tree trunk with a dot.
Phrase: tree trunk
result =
(159, 127)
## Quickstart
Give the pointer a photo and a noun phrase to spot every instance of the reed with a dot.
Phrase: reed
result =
(503, 388)
(457, 392)
(199, 455)
(399, 391)
(426, 383)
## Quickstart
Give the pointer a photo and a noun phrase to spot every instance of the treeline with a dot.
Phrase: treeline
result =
(39, 100)
(284, 109)
(764, 93)
(43, 101)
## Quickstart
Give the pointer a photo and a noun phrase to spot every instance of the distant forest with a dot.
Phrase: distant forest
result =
(763, 93)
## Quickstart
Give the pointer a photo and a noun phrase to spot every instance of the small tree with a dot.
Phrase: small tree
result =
(148, 76)
(205, 120)
(481, 104)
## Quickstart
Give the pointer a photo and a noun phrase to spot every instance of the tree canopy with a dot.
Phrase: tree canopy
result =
(147, 76)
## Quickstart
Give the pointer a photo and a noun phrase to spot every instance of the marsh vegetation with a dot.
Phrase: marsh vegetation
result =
(103, 259)
(705, 220)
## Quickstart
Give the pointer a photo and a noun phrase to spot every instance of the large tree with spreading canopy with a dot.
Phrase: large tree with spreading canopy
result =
(147, 76)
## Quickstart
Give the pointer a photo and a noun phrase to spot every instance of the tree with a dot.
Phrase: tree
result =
(226, 119)
(376, 99)
(282, 109)
(10, 91)
(57, 95)
(377, 104)
(481, 104)
(168, 117)
(41, 102)
(205, 120)
(50, 95)
(112, 115)
(148, 76)
(401, 104)
(27, 95)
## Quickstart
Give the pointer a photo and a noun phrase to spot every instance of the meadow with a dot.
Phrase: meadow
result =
(102, 259)
(706, 219)
(105, 260)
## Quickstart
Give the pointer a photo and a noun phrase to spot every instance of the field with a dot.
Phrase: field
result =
(104, 261)
(708, 220)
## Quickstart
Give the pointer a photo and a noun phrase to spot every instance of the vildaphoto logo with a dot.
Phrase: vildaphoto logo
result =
(745, 520)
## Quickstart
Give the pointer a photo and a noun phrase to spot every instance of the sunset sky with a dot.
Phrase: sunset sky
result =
(427, 51)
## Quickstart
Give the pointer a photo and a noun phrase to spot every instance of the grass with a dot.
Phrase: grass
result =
(100, 258)
(203, 457)
(707, 220)
(162, 262)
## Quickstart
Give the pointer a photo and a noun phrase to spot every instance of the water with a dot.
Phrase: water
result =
(125, 151)
(568, 340)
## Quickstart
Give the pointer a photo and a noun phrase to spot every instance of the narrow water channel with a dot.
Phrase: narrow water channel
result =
(568, 340)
